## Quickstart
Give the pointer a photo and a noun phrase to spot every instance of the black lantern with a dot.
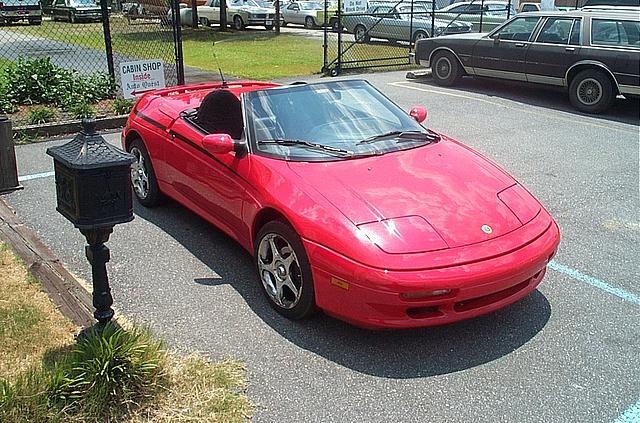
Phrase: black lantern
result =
(93, 191)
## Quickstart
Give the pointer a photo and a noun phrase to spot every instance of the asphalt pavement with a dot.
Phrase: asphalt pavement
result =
(570, 352)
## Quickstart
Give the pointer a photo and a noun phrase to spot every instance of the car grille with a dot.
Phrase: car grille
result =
(259, 16)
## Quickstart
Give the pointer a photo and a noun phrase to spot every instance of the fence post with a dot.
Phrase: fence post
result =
(177, 41)
(223, 15)
(278, 17)
(433, 17)
(509, 9)
(194, 14)
(481, 14)
(106, 29)
(8, 169)
(339, 64)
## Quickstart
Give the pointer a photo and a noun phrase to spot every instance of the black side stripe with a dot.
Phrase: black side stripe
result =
(206, 153)
(151, 121)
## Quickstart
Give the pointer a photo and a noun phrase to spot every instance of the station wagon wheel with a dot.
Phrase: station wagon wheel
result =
(238, 23)
(143, 177)
(445, 69)
(420, 35)
(309, 23)
(284, 270)
(361, 35)
(204, 21)
(591, 91)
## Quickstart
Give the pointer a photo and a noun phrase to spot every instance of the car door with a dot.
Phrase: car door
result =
(292, 14)
(555, 49)
(502, 53)
(210, 10)
(213, 185)
(384, 23)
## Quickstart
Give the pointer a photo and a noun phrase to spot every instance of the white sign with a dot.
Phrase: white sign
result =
(141, 76)
(354, 6)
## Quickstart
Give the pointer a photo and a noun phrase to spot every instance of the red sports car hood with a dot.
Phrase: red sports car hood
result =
(438, 193)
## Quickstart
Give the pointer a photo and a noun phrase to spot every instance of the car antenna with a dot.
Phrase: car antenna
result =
(224, 81)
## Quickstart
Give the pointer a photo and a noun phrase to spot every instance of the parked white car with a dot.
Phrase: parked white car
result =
(307, 13)
(240, 13)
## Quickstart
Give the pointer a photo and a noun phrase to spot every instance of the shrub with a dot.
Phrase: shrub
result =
(79, 108)
(40, 115)
(39, 81)
(122, 106)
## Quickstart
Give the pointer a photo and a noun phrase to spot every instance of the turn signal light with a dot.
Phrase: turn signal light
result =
(424, 294)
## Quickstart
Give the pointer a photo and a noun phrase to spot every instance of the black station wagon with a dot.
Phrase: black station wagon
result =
(594, 53)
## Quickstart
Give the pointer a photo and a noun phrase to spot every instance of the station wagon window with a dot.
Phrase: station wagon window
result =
(293, 6)
(519, 29)
(556, 31)
(615, 33)
(467, 8)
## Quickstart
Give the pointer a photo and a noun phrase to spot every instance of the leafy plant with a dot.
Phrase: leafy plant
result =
(79, 108)
(39, 81)
(40, 115)
(122, 106)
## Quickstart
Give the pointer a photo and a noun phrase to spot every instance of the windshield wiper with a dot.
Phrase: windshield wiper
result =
(403, 135)
(309, 144)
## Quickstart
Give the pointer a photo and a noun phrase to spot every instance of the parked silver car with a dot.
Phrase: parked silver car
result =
(400, 22)
(240, 13)
(305, 13)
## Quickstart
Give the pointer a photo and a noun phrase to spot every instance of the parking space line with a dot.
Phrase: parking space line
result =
(35, 176)
(411, 86)
(630, 415)
(573, 273)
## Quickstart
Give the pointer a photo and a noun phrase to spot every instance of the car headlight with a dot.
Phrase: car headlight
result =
(520, 202)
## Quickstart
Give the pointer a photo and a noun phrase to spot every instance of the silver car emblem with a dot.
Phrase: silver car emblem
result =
(486, 229)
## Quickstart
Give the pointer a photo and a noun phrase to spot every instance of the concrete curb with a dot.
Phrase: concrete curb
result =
(72, 127)
(67, 291)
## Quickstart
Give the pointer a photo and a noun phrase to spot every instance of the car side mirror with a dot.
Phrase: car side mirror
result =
(218, 143)
(496, 39)
(419, 113)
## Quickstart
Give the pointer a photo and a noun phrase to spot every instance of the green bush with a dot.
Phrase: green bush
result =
(79, 108)
(39, 81)
(40, 115)
(122, 106)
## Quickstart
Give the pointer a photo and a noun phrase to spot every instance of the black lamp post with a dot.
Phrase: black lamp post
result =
(93, 191)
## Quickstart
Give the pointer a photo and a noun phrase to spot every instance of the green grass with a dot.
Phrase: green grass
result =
(249, 54)
(117, 374)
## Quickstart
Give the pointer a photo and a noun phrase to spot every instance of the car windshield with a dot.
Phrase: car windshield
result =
(329, 121)
(417, 11)
(310, 6)
(265, 4)
(250, 3)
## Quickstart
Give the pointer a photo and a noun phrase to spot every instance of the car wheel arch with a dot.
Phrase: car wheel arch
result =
(266, 215)
(576, 68)
(131, 136)
(439, 49)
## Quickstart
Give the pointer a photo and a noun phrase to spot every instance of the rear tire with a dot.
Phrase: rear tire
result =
(591, 91)
(238, 23)
(445, 69)
(284, 273)
(204, 22)
(143, 177)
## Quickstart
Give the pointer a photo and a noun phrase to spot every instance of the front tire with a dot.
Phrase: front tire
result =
(72, 18)
(309, 23)
(238, 23)
(445, 69)
(204, 21)
(420, 35)
(591, 91)
(143, 177)
(284, 270)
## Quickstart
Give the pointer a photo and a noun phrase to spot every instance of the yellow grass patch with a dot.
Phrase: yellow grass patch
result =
(30, 324)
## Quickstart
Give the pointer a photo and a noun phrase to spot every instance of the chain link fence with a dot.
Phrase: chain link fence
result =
(360, 34)
(61, 61)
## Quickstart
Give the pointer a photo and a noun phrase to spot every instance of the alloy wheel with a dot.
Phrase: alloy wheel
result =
(280, 271)
(443, 68)
(139, 174)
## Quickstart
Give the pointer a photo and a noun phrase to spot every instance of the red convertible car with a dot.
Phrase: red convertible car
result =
(345, 201)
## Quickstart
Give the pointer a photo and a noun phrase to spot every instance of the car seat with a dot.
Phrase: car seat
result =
(221, 113)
